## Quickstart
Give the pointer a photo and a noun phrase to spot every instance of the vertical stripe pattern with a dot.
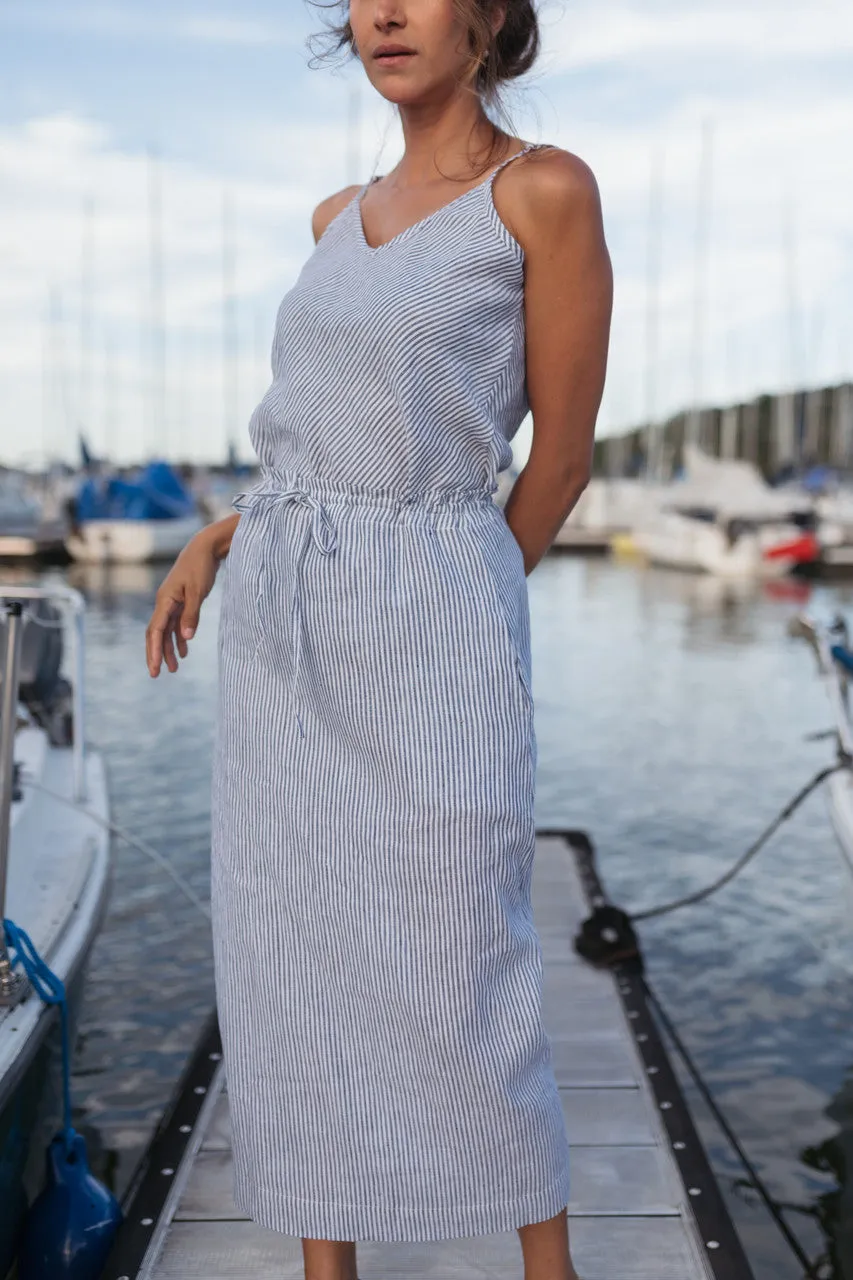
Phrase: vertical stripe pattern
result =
(378, 972)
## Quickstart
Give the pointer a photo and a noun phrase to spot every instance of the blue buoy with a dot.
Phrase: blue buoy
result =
(71, 1225)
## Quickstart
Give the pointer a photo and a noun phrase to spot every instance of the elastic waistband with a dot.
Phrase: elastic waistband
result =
(435, 503)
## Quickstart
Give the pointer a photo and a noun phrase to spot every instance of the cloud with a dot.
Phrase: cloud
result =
(233, 31)
(160, 27)
(606, 35)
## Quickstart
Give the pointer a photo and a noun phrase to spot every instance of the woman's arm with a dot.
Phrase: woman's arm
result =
(554, 211)
(219, 534)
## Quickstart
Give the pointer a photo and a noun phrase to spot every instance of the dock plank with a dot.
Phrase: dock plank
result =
(629, 1248)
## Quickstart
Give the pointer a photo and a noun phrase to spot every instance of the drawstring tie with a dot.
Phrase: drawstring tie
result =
(322, 530)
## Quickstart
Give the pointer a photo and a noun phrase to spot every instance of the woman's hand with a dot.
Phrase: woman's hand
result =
(179, 600)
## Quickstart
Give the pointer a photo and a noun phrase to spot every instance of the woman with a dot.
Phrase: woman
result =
(377, 969)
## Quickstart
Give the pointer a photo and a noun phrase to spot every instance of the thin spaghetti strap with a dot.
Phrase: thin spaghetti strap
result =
(369, 183)
(528, 146)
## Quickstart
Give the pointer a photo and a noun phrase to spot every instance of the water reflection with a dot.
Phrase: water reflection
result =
(718, 611)
(823, 1224)
(832, 1210)
(129, 588)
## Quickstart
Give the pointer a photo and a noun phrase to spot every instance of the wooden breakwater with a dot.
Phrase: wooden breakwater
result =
(790, 430)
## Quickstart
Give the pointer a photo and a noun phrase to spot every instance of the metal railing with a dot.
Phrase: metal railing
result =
(805, 628)
(71, 601)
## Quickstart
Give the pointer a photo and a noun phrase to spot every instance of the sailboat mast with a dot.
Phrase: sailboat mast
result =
(653, 444)
(109, 392)
(47, 341)
(792, 371)
(87, 290)
(59, 363)
(230, 388)
(157, 318)
(700, 280)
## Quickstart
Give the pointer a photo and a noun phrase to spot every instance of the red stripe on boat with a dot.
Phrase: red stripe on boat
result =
(800, 550)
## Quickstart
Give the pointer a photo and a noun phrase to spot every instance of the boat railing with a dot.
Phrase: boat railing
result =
(835, 680)
(70, 602)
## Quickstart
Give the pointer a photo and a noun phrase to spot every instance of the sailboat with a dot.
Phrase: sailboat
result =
(147, 516)
(723, 518)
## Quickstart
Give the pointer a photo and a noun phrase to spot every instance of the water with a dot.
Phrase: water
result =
(671, 715)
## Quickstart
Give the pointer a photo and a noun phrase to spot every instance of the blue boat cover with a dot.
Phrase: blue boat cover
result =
(842, 656)
(156, 493)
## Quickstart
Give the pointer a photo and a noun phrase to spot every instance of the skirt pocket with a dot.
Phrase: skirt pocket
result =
(503, 572)
(240, 624)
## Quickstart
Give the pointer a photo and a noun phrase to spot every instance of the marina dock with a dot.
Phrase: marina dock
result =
(644, 1203)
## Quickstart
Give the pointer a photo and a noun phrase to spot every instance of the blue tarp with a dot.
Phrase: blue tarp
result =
(817, 479)
(842, 656)
(157, 493)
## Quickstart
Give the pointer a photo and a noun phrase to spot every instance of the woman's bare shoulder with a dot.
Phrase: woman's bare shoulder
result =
(330, 208)
(550, 190)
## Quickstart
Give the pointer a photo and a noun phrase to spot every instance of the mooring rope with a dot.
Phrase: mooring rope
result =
(790, 808)
(141, 845)
(50, 987)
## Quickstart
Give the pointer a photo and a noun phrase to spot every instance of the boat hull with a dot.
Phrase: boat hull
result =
(29, 1117)
(840, 801)
(131, 541)
(30, 1034)
(678, 542)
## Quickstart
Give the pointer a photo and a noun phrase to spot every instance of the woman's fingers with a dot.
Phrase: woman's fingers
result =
(164, 611)
(169, 647)
(176, 639)
(192, 609)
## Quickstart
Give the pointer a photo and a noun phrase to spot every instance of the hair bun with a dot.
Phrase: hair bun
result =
(517, 45)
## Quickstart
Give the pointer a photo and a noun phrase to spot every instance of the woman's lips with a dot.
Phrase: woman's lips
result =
(392, 59)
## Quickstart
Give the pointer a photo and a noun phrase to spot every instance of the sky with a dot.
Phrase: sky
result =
(159, 164)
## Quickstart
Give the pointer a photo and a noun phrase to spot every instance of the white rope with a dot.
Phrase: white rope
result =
(141, 845)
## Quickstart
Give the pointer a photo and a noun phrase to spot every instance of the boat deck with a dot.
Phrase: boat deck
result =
(641, 1208)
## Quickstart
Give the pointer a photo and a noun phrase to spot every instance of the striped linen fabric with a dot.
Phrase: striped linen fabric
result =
(378, 973)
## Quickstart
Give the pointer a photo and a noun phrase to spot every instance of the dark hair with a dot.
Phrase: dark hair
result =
(493, 59)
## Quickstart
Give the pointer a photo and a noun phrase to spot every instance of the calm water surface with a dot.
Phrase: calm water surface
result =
(671, 720)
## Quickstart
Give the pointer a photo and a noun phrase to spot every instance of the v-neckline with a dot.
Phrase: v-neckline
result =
(478, 186)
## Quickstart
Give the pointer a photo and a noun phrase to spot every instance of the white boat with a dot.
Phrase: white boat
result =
(20, 519)
(26, 532)
(723, 518)
(835, 530)
(835, 676)
(606, 514)
(56, 875)
(147, 515)
(131, 541)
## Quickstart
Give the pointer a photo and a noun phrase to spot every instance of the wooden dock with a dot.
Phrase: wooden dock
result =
(643, 1206)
